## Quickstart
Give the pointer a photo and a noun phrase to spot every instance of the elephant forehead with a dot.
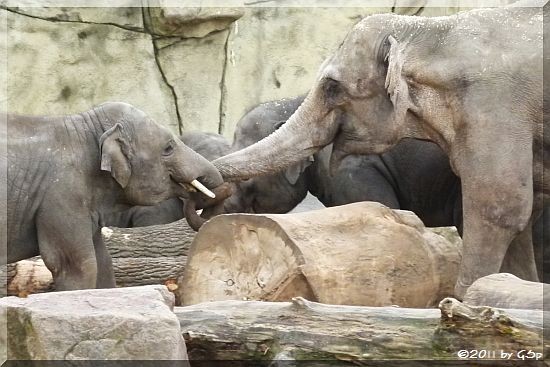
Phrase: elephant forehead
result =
(150, 132)
(356, 56)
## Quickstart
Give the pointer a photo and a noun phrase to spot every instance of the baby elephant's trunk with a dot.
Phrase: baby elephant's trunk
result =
(211, 206)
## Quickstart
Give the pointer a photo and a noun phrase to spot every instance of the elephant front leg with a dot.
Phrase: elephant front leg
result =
(67, 249)
(494, 214)
(486, 240)
(493, 155)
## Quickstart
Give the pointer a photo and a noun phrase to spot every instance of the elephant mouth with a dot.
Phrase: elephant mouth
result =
(195, 185)
(186, 189)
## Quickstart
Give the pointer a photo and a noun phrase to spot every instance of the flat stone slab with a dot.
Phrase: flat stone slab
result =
(134, 323)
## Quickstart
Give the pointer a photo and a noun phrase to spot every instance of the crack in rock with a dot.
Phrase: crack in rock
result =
(163, 75)
(56, 20)
(223, 90)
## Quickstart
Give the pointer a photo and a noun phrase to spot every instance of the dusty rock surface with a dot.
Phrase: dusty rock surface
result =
(125, 323)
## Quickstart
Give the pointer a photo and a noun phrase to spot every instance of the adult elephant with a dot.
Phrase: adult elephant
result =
(472, 83)
(64, 174)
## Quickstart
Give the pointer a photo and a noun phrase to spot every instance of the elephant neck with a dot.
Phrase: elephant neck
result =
(88, 124)
(84, 131)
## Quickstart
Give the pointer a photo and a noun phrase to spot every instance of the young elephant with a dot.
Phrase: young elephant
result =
(472, 83)
(65, 174)
(275, 193)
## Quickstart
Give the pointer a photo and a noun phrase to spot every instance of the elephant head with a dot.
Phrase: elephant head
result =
(276, 193)
(147, 160)
(359, 102)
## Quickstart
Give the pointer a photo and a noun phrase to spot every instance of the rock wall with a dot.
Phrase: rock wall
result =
(189, 68)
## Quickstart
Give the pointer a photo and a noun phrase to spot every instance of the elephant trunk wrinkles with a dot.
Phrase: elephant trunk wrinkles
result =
(296, 140)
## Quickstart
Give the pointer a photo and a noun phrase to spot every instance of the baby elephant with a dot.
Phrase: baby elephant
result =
(66, 174)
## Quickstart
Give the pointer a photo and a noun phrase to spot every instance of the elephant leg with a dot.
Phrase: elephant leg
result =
(484, 247)
(67, 249)
(105, 272)
(520, 257)
(497, 192)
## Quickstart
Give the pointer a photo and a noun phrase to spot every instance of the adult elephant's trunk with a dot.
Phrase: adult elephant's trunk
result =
(310, 128)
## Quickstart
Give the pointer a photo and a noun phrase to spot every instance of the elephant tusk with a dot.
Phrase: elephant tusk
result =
(203, 189)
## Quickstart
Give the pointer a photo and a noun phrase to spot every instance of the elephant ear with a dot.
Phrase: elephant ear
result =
(293, 173)
(114, 150)
(396, 84)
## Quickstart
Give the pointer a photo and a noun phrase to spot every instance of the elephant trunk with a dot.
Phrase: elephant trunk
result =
(309, 129)
(192, 169)
(211, 207)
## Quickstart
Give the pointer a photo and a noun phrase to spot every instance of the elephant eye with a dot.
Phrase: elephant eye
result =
(333, 91)
(169, 149)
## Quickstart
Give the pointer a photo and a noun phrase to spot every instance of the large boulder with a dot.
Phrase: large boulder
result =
(120, 324)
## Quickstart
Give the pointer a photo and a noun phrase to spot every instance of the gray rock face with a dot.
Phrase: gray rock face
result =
(67, 67)
(194, 67)
(134, 323)
(124, 16)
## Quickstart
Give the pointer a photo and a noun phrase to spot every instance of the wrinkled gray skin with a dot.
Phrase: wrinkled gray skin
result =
(208, 145)
(471, 82)
(64, 174)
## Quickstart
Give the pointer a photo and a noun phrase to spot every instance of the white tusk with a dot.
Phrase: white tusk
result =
(203, 189)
